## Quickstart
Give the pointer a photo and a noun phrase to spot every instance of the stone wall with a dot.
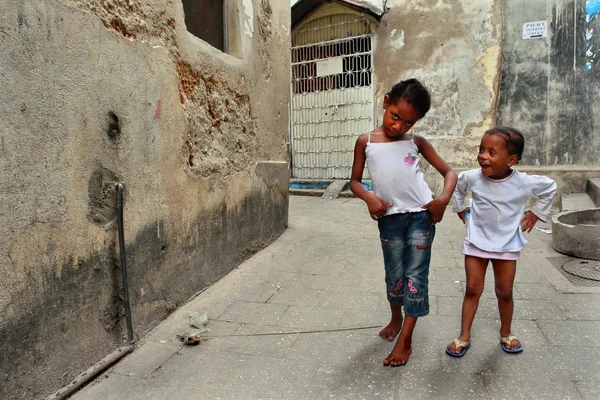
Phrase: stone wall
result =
(481, 73)
(550, 87)
(547, 91)
(99, 92)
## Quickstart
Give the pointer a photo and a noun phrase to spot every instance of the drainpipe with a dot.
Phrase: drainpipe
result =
(85, 377)
(120, 205)
(102, 365)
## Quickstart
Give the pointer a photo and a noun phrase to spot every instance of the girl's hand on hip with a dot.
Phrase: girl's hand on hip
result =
(436, 207)
(377, 207)
(461, 215)
(528, 221)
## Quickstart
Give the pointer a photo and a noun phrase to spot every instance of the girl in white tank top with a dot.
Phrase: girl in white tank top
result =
(403, 185)
(402, 204)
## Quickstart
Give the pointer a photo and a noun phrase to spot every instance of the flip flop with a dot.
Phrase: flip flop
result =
(506, 341)
(463, 346)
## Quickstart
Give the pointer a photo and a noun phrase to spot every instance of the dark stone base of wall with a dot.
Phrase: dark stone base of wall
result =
(75, 317)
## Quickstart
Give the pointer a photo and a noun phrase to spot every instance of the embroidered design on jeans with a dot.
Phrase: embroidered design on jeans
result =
(398, 287)
(411, 288)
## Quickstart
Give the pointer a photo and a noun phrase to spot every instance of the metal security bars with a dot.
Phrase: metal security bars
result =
(332, 94)
(348, 61)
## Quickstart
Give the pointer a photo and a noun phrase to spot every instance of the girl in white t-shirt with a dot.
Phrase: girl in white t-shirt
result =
(497, 218)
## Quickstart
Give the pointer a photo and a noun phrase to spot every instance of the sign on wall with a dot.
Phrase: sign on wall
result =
(535, 30)
(332, 66)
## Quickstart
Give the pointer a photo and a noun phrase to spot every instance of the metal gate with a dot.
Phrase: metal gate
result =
(332, 94)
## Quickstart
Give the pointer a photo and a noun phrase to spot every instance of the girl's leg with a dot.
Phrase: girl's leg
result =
(391, 330)
(504, 276)
(391, 232)
(403, 347)
(475, 268)
(417, 256)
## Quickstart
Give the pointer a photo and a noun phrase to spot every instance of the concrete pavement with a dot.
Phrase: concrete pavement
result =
(325, 273)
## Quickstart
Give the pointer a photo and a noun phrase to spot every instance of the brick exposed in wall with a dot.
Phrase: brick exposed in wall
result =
(221, 137)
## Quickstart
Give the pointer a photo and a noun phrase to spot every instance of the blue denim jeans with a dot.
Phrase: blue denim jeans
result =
(406, 242)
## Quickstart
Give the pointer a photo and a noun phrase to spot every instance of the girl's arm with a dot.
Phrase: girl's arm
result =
(460, 193)
(376, 206)
(438, 205)
(544, 189)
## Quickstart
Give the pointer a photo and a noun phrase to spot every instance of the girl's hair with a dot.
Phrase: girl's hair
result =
(413, 92)
(515, 142)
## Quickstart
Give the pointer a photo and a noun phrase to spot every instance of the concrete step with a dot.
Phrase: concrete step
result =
(333, 191)
(575, 201)
(592, 188)
(307, 192)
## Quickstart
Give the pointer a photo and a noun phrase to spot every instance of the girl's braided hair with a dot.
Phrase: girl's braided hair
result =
(515, 141)
(413, 92)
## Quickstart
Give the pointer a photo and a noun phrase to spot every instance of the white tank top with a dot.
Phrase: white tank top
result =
(396, 176)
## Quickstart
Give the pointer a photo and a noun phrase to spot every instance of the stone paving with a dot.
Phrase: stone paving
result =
(325, 273)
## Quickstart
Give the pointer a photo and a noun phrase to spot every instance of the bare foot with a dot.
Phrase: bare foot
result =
(391, 330)
(399, 356)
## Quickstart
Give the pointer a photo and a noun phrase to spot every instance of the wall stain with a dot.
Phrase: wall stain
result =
(550, 96)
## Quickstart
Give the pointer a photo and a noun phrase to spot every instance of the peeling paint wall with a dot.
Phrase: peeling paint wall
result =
(550, 86)
(248, 17)
(96, 92)
(453, 48)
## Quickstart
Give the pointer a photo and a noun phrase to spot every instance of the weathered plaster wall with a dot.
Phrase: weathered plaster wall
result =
(547, 91)
(97, 91)
(453, 47)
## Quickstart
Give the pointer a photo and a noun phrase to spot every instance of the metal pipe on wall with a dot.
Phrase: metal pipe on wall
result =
(96, 369)
(120, 206)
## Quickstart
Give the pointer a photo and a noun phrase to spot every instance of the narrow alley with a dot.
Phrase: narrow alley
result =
(299, 320)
